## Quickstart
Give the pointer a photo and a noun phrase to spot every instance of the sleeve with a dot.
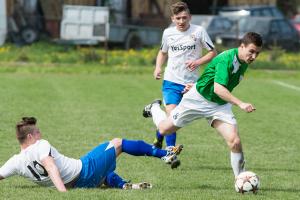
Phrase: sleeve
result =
(206, 41)
(164, 43)
(8, 169)
(222, 74)
(44, 149)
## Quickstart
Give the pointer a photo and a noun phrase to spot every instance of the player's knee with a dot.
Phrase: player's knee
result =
(117, 142)
(235, 145)
(166, 128)
(163, 130)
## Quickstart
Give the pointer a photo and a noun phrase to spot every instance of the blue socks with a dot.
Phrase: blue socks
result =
(136, 148)
(114, 180)
(159, 136)
(171, 139)
(141, 148)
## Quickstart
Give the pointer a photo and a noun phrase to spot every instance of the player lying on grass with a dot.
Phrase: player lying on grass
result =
(43, 164)
(211, 98)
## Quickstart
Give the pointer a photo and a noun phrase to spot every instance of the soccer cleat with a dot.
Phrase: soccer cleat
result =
(158, 143)
(147, 109)
(171, 157)
(175, 163)
(137, 186)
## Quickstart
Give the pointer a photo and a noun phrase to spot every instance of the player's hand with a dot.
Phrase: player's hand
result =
(191, 65)
(157, 73)
(187, 87)
(247, 107)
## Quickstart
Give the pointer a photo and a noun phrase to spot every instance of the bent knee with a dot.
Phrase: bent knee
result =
(235, 145)
(167, 130)
(117, 142)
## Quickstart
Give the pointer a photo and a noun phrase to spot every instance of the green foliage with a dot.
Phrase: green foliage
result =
(50, 57)
(275, 53)
(78, 111)
(50, 53)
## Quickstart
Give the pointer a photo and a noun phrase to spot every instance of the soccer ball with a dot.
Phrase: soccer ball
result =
(247, 182)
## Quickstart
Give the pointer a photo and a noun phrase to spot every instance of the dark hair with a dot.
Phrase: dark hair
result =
(252, 38)
(24, 127)
(179, 7)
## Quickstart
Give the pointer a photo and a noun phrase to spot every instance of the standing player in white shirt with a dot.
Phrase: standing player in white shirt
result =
(41, 163)
(182, 44)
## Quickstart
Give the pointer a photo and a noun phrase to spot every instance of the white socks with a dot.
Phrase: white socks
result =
(237, 163)
(158, 114)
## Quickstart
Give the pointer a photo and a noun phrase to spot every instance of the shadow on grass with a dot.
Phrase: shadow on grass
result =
(273, 189)
(222, 168)
(276, 169)
(209, 167)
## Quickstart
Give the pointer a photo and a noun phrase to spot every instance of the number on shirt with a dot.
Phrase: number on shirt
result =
(38, 170)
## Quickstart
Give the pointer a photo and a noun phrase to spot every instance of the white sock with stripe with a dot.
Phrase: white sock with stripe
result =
(237, 163)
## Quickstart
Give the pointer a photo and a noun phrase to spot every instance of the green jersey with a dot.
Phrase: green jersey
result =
(225, 69)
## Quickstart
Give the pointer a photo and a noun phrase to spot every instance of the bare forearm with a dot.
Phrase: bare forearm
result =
(53, 173)
(224, 94)
(56, 179)
(207, 57)
(160, 59)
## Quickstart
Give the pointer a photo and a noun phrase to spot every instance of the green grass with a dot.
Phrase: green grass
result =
(77, 111)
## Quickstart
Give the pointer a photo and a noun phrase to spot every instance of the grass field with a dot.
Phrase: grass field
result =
(77, 111)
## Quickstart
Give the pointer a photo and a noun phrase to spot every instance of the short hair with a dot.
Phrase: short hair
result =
(179, 7)
(252, 38)
(25, 127)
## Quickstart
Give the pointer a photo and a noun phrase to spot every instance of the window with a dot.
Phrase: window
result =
(285, 28)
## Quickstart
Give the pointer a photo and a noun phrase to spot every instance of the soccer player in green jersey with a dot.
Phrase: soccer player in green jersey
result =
(211, 98)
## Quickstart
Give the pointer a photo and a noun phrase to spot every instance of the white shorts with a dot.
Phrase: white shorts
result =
(194, 106)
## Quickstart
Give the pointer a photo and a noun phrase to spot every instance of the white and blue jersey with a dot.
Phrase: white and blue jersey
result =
(90, 170)
(28, 163)
(181, 47)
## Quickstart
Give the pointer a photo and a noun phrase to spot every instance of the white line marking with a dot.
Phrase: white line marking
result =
(287, 85)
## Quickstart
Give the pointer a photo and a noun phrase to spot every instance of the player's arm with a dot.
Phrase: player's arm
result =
(207, 57)
(226, 95)
(193, 64)
(53, 172)
(160, 60)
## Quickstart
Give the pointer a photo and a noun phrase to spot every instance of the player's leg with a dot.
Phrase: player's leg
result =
(141, 148)
(113, 180)
(230, 133)
(172, 94)
(96, 164)
(170, 139)
(163, 123)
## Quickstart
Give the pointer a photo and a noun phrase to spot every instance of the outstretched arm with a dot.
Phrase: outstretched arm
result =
(225, 94)
(54, 174)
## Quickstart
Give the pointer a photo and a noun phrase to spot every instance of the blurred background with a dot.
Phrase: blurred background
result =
(138, 23)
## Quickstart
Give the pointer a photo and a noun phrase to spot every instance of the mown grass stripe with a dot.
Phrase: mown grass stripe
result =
(286, 85)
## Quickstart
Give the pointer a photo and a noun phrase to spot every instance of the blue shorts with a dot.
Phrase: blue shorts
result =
(96, 165)
(172, 92)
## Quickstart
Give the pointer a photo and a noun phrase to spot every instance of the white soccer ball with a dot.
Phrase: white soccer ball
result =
(247, 182)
